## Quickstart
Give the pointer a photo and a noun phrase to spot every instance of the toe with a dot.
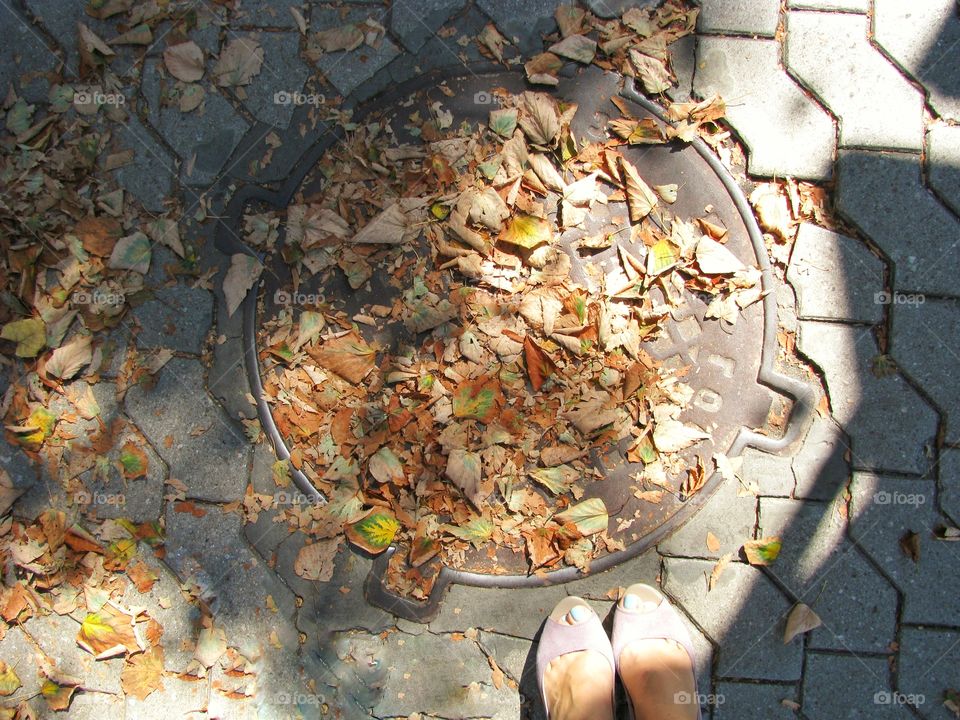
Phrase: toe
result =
(578, 614)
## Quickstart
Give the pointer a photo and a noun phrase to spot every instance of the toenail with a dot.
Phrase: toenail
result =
(631, 602)
(579, 613)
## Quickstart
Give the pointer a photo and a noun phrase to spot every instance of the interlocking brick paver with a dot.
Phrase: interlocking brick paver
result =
(729, 516)
(860, 6)
(785, 131)
(743, 614)
(820, 466)
(518, 612)
(523, 21)
(883, 510)
(836, 277)
(876, 106)
(748, 17)
(925, 344)
(176, 318)
(824, 570)
(744, 700)
(150, 176)
(850, 687)
(949, 471)
(868, 405)
(772, 474)
(416, 22)
(186, 696)
(25, 58)
(208, 451)
(923, 37)
(604, 585)
(928, 667)
(227, 379)
(876, 191)
(943, 163)
(270, 95)
(49, 631)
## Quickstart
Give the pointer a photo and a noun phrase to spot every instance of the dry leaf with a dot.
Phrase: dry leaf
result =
(801, 620)
(348, 356)
(239, 62)
(718, 570)
(243, 273)
(315, 560)
(640, 198)
(184, 61)
(143, 673)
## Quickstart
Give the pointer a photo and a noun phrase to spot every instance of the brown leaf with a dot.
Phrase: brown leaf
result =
(539, 119)
(315, 560)
(98, 234)
(800, 620)
(718, 570)
(640, 197)
(211, 644)
(465, 470)
(67, 360)
(239, 62)
(539, 365)
(348, 356)
(243, 273)
(910, 545)
(184, 61)
(108, 632)
(143, 673)
(713, 543)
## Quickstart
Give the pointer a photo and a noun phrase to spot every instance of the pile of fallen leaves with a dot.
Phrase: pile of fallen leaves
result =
(58, 567)
(505, 361)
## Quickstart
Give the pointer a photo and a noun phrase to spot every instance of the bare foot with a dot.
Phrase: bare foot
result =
(579, 685)
(658, 676)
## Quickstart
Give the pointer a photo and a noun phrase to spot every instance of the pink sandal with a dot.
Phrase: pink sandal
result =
(654, 619)
(559, 638)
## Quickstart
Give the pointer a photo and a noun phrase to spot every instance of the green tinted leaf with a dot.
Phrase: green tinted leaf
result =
(590, 516)
(373, 533)
(477, 531)
(30, 335)
(478, 400)
(503, 122)
(557, 480)
(763, 551)
(527, 231)
(131, 253)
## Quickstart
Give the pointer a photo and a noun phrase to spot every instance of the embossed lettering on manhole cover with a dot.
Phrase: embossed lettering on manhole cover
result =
(507, 342)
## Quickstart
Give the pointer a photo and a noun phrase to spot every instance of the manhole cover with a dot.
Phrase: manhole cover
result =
(431, 364)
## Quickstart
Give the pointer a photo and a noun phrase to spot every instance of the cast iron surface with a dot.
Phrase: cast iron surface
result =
(730, 367)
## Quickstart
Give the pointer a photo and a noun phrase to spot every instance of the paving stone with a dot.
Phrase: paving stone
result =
(867, 406)
(744, 700)
(185, 696)
(347, 71)
(55, 635)
(773, 474)
(516, 612)
(785, 131)
(924, 338)
(849, 687)
(860, 6)
(267, 13)
(950, 483)
(204, 549)
(326, 606)
(209, 452)
(683, 60)
(444, 52)
(62, 25)
(876, 191)
(17, 652)
(415, 23)
(227, 379)
(615, 8)
(743, 615)
(460, 683)
(922, 38)
(786, 307)
(730, 518)
(524, 22)
(943, 163)
(24, 57)
(177, 318)
(95, 706)
(876, 106)
(206, 136)
(603, 586)
(928, 666)
(265, 535)
(515, 656)
(22, 472)
(822, 569)
(882, 510)
(750, 17)
(149, 178)
(820, 466)
(836, 277)
(282, 76)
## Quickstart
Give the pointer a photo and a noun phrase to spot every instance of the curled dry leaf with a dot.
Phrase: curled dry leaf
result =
(763, 551)
(239, 62)
(315, 560)
(576, 47)
(640, 198)
(184, 61)
(243, 273)
(348, 356)
(715, 259)
(387, 228)
(143, 673)
(801, 619)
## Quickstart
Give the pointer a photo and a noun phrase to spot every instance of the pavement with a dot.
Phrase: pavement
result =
(862, 96)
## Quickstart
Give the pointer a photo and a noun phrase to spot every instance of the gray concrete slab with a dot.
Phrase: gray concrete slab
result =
(739, 17)
(202, 447)
(876, 106)
(415, 23)
(785, 131)
(949, 484)
(821, 466)
(867, 406)
(519, 613)
(743, 700)
(851, 687)
(928, 668)
(743, 614)
(822, 569)
(773, 474)
(273, 95)
(943, 163)
(836, 277)
(922, 38)
(883, 510)
(875, 191)
(924, 343)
